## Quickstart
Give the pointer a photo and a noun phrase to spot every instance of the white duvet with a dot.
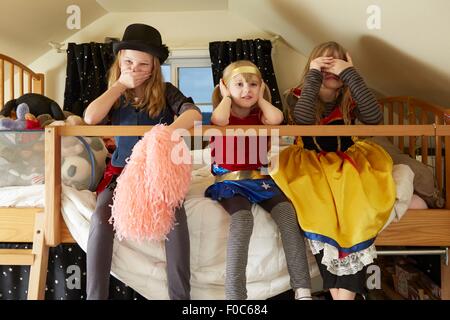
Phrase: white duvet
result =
(142, 266)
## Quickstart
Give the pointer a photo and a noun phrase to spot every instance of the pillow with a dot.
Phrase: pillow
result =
(424, 181)
(403, 177)
(417, 203)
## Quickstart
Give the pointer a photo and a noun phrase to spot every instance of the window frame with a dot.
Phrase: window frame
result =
(186, 58)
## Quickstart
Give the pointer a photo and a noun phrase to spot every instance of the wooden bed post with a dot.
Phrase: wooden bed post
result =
(52, 186)
(445, 267)
(47, 227)
(38, 269)
(38, 84)
(445, 277)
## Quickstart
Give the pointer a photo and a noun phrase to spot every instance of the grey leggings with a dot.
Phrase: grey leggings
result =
(241, 227)
(100, 246)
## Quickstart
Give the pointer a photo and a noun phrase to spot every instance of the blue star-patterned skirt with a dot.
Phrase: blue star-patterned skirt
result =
(255, 190)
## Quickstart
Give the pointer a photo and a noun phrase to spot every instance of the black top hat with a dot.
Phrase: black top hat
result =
(145, 38)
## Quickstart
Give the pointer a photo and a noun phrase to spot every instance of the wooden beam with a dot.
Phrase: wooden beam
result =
(16, 257)
(305, 130)
(38, 269)
(429, 227)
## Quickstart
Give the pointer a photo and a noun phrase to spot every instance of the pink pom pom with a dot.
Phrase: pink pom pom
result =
(152, 185)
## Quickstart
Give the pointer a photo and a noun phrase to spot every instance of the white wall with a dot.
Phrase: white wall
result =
(180, 30)
(408, 55)
(288, 65)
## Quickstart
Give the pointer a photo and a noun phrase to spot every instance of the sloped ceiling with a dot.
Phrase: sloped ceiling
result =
(26, 27)
(162, 5)
(408, 55)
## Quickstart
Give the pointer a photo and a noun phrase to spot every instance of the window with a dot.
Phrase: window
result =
(190, 71)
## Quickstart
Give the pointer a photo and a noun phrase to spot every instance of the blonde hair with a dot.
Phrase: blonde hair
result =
(228, 74)
(154, 91)
(346, 99)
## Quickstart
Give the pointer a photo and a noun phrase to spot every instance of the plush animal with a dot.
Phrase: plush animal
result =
(44, 119)
(77, 157)
(72, 120)
(76, 172)
(22, 155)
(21, 158)
(37, 103)
(20, 122)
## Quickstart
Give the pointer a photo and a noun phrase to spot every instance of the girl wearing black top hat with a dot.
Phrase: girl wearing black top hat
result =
(137, 95)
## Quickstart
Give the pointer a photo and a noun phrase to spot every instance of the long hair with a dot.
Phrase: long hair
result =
(345, 95)
(217, 96)
(154, 91)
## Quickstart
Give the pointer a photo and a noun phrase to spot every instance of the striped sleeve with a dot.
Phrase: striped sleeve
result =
(305, 108)
(367, 109)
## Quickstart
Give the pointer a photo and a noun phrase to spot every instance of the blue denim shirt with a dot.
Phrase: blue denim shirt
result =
(176, 103)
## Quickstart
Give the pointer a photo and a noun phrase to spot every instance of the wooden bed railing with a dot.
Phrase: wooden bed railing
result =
(54, 134)
(23, 224)
(17, 79)
(429, 227)
(412, 111)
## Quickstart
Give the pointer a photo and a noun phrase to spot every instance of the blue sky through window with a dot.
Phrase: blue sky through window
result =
(195, 82)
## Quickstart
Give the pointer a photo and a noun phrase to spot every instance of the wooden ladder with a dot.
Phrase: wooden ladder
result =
(37, 257)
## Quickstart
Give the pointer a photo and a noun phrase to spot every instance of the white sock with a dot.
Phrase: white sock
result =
(303, 294)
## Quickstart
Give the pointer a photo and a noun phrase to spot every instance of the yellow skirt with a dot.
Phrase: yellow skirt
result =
(340, 198)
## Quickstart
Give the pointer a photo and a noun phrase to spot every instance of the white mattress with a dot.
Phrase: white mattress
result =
(142, 266)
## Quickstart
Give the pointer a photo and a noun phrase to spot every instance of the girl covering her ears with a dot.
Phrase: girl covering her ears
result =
(342, 190)
(137, 95)
(242, 98)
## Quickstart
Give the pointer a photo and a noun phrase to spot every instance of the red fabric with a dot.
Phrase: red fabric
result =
(110, 172)
(32, 124)
(246, 159)
(336, 114)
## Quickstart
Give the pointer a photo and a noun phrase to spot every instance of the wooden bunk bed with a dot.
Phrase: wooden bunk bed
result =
(25, 225)
(44, 226)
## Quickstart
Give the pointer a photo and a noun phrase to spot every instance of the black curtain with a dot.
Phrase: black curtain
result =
(258, 51)
(86, 75)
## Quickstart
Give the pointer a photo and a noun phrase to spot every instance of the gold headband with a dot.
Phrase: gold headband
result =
(238, 70)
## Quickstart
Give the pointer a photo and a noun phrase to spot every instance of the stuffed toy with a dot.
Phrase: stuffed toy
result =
(25, 120)
(70, 120)
(22, 160)
(77, 156)
(17, 124)
(38, 104)
(76, 172)
(44, 119)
